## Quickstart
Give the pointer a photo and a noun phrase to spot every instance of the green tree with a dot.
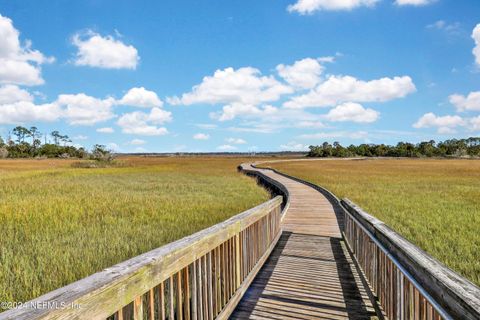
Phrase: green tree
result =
(21, 133)
(56, 137)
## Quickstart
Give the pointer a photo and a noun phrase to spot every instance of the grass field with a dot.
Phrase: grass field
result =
(433, 203)
(59, 224)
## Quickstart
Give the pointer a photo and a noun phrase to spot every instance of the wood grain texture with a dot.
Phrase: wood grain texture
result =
(104, 293)
(310, 274)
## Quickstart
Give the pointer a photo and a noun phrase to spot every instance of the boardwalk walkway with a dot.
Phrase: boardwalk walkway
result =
(310, 274)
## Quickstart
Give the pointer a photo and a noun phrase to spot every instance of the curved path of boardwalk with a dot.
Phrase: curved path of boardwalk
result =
(310, 274)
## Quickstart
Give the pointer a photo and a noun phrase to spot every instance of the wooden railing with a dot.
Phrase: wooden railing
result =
(408, 283)
(202, 276)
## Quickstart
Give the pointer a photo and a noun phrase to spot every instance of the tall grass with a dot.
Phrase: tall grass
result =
(59, 224)
(433, 203)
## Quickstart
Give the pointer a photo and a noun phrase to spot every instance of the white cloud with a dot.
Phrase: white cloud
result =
(242, 86)
(231, 111)
(356, 135)
(113, 147)
(226, 147)
(137, 142)
(105, 130)
(142, 123)
(25, 111)
(476, 38)
(141, 97)
(103, 52)
(413, 2)
(310, 124)
(19, 64)
(11, 94)
(354, 112)
(444, 124)
(278, 119)
(304, 74)
(468, 103)
(294, 146)
(449, 28)
(81, 109)
(201, 136)
(446, 130)
(475, 123)
(310, 6)
(338, 89)
(235, 141)
(17, 107)
(80, 137)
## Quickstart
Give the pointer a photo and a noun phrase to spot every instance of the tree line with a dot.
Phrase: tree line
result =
(27, 143)
(449, 148)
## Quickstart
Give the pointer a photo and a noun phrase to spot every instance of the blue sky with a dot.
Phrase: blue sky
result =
(162, 76)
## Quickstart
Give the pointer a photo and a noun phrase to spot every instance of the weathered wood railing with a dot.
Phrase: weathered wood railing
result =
(202, 276)
(409, 283)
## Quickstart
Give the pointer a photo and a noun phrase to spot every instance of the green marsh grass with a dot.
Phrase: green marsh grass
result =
(59, 224)
(434, 203)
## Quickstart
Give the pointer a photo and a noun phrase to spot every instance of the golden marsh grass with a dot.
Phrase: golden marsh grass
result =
(59, 224)
(434, 203)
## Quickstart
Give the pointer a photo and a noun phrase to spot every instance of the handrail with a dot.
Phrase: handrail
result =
(202, 276)
(409, 283)
(279, 188)
(407, 280)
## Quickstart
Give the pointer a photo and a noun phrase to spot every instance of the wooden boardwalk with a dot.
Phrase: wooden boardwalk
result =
(310, 274)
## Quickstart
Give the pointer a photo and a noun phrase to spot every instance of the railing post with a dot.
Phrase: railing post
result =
(138, 308)
(237, 261)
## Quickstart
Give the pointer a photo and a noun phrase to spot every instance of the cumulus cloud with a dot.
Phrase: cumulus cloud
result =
(142, 123)
(19, 64)
(201, 136)
(25, 111)
(475, 123)
(354, 112)
(310, 6)
(468, 103)
(231, 111)
(95, 50)
(141, 97)
(242, 86)
(338, 89)
(444, 124)
(81, 109)
(226, 147)
(235, 141)
(17, 106)
(413, 2)
(303, 74)
(476, 38)
(11, 93)
(105, 130)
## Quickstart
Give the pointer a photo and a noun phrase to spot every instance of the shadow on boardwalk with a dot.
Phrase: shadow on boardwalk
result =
(306, 277)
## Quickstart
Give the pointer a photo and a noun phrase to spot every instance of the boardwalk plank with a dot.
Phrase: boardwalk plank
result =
(310, 274)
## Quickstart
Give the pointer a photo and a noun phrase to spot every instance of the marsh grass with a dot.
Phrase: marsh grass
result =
(59, 224)
(433, 203)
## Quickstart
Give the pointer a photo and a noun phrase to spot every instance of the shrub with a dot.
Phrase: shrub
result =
(3, 153)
